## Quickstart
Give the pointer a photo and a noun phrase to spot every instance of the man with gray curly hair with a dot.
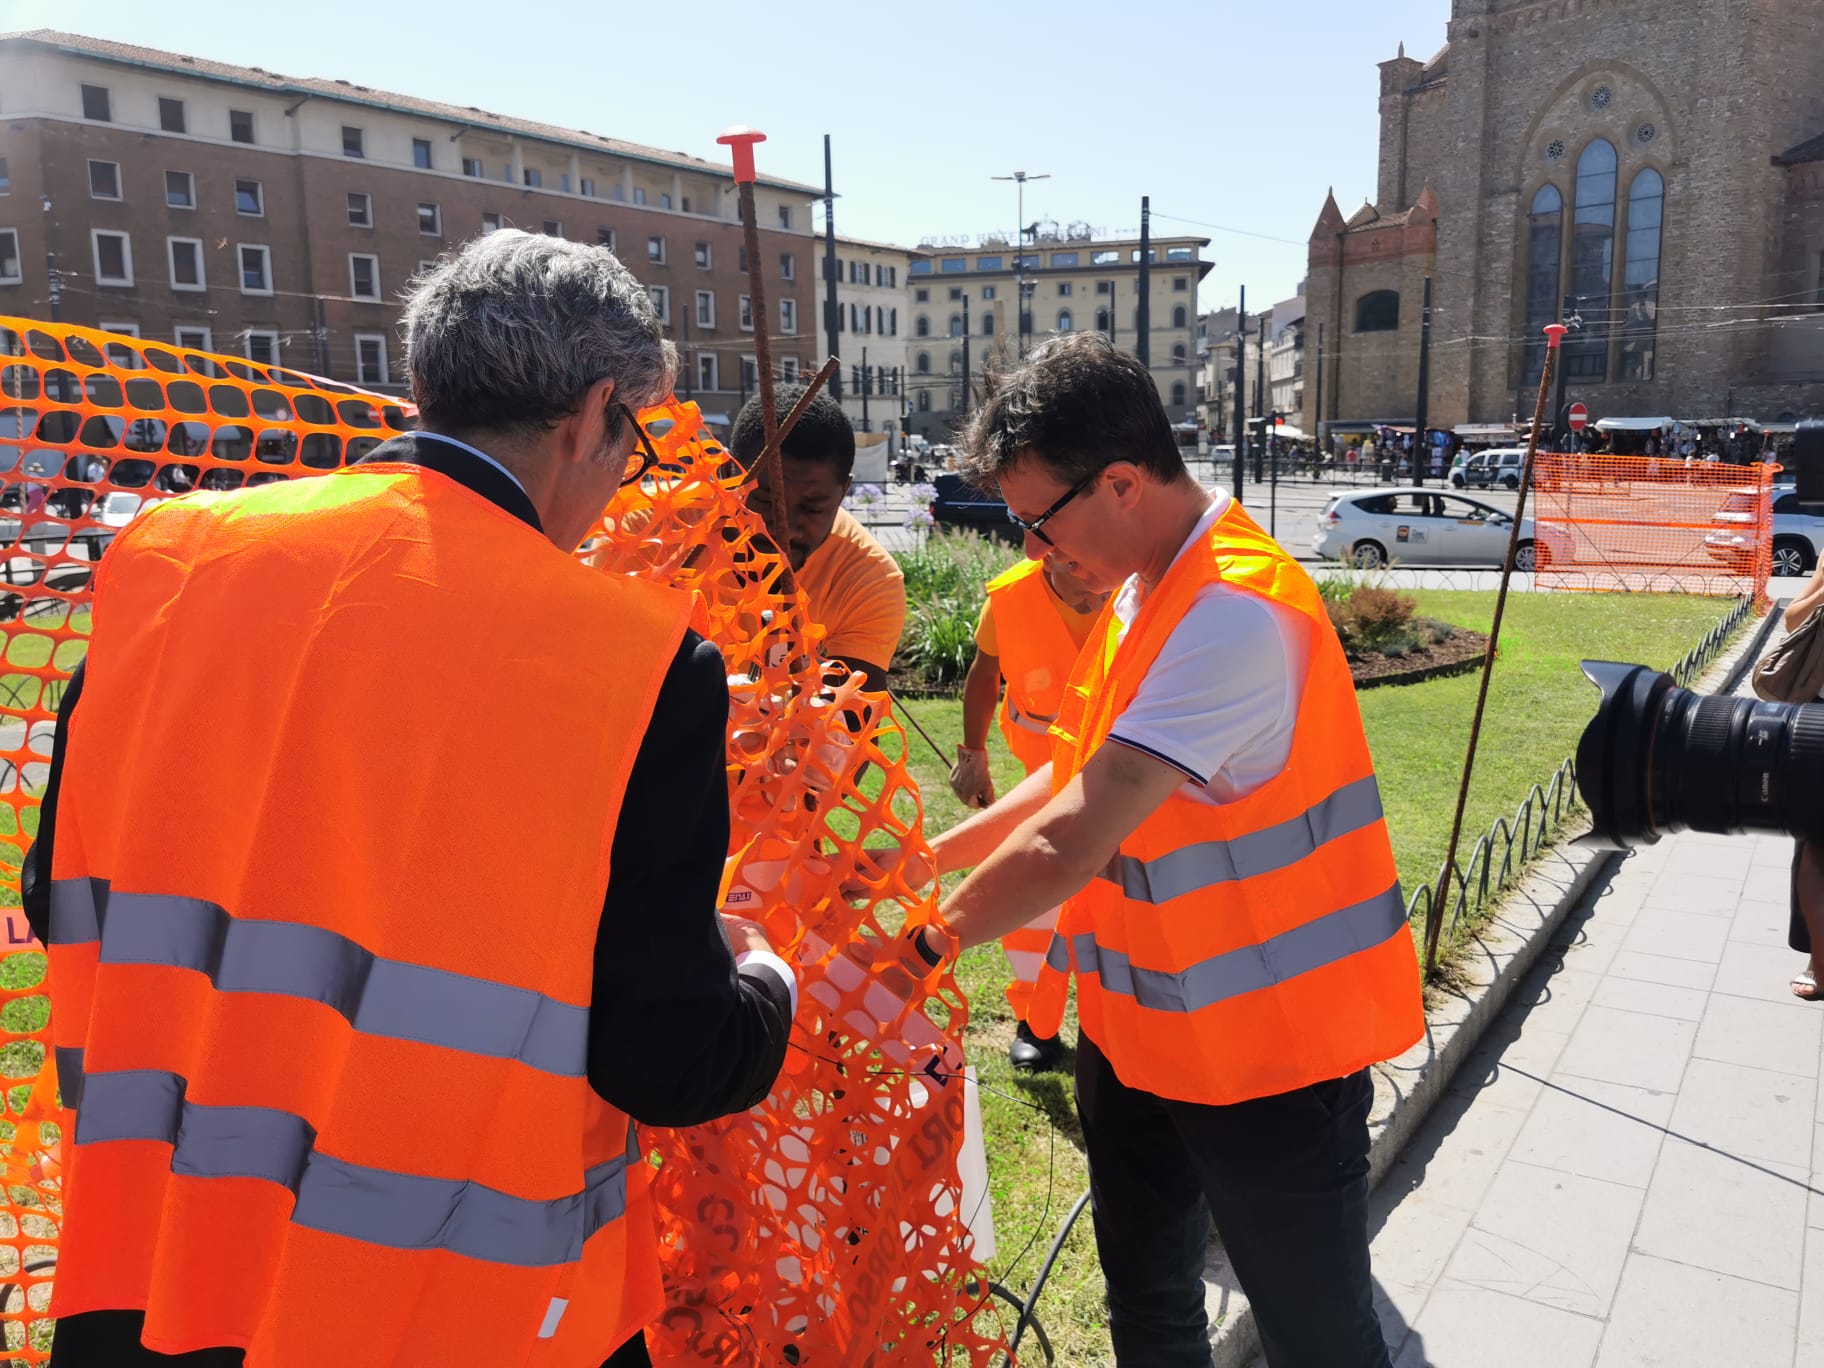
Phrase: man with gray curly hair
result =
(402, 1066)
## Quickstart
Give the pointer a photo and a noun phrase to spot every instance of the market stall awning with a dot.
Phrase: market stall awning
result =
(1286, 432)
(1634, 424)
(1476, 432)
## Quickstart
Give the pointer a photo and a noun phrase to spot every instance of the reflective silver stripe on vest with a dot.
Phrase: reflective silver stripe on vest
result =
(69, 1076)
(1041, 725)
(380, 997)
(1332, 937)
(1191, 867)
(375, 1206)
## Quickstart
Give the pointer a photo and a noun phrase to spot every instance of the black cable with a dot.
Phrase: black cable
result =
(900, 703)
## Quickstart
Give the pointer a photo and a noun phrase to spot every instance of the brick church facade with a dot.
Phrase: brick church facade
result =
(1654, 168)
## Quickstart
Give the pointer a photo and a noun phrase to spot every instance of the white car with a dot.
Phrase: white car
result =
(1798, 531)
(1415, 526)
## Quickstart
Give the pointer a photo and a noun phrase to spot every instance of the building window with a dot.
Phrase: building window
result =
(1586, 351)
(992, 263)
(922, 363)
(185, 258)
(1179, 317)
(639, 194)
(490, 223)
(661, 302)
(1544, 256)
(893, 321)
(104, 180)
(707, 379)
(1178, 353)
(987, 324)
(10, 272)
(1378, 311)
(249, 198)
(240, 125)
(193, 338)
(924, 401)
(1177, 394)
(704, 256)
(262, 348)
(360, 209)
(171, 115)
(1639, 304)
(951, 265)
(788, 315)
(956, 325)
(788, 367)
(1065, 322)
(750, 374)
(1180, 284)
(425, 267)
(956, 363)
(430, 220)
(563, 182)
(852, 323)
(113, 257)
(747, 313)
(664, 201)
(96, 105)
(785, 216)
(921, 326)
(1102, 317)
(421, 153)
(1065, 289)
(655, 249)
(471, 166)
(987, 292)
(370, 359)
(256, 268)
(552, 228)
(1107, 257)
(363, 275)
(534, 177)
(921, 296)
(354, 142)
(588, 186)
(706, 309)
(788, 266)
(180, 190)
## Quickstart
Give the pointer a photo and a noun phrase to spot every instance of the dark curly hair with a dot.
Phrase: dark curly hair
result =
(823, 434)
(1076, 405)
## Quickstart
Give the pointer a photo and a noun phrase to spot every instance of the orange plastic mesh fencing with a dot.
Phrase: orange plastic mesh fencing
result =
(823, 1227)
(1655, 524)
(93, 428)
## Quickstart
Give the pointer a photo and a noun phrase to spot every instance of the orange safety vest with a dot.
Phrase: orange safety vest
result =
(1036, 658)
(332, 846)
(1245, 949)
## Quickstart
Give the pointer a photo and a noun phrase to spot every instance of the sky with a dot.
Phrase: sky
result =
(1234, 117)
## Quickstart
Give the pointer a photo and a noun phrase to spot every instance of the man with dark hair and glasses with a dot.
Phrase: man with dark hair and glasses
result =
(1211, 824)
(447, 925)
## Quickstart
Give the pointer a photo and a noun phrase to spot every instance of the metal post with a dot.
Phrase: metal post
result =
(1241, 336)
(965, 353)
(1143, 313)
(1421, 436)
(1260, 393)
(832, 307)
(1559, 431)
(1273, 487)
(866, 385)
(1019, 179)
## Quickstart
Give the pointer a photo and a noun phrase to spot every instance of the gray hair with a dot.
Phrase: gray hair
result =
(506, 333)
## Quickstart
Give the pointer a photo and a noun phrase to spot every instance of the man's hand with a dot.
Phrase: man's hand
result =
(745, 935)
(880, 861)
(969, 778)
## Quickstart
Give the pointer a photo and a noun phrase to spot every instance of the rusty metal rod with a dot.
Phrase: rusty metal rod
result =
(1440, 902)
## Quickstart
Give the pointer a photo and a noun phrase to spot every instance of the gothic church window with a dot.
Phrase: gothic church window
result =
(1639, 303)
(1378, 311)
(1544, 244)
(1586, 351)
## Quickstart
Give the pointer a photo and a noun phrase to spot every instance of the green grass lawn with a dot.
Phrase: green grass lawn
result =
(1538, 705)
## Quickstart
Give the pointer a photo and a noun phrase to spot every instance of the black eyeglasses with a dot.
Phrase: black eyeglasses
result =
(1052, 512)
(648, 457)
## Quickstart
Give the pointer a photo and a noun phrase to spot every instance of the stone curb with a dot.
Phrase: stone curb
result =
(1407, 1088)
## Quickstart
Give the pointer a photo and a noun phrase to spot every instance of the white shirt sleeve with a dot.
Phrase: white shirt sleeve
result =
(765, 959)
(1221, 699)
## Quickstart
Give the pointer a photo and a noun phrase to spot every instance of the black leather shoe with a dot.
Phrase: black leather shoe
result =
(1031, 1053)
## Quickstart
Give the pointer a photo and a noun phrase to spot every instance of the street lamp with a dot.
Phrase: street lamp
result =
(1019, 178)
(50, 261)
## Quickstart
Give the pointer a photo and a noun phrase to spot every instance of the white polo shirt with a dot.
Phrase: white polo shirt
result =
(1221, 699)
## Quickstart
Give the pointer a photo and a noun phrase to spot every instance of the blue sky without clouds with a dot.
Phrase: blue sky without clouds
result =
(1233, 114)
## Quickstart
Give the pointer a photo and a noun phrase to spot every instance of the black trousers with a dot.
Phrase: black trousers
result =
(1285, 1179)
(110, 1339)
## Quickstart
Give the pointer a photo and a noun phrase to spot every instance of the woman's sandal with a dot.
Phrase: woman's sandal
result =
(1805, 986)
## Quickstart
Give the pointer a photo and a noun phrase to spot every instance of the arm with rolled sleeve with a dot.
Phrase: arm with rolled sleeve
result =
(680, 1030)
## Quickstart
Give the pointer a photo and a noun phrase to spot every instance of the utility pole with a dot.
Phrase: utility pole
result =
(1143, 314)
(1241, 336)
(965, 353)
(1560, 430)
(1317, 420)
(865, 387)
(1260, 395)
(832, 310)
(1019, 178)
(52, 274)
(1421, 436)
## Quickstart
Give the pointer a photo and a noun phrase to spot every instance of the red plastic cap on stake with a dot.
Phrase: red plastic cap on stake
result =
(1554, 334)
(740, 141)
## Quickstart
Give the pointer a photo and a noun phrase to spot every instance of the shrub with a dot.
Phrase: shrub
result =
(946, 581)
(1372, 619)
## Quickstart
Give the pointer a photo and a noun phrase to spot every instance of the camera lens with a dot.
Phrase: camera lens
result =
(1657, 758)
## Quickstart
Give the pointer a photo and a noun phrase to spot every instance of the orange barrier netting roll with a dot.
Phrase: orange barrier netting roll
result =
(820, 1228)
(1655, 524)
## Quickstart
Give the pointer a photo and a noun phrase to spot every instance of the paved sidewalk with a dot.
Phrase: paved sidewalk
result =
(1630, 1170)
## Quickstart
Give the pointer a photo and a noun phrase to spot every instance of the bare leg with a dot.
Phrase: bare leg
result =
(1808, 885)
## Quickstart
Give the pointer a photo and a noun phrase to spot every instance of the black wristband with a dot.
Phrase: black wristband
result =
(925, 952)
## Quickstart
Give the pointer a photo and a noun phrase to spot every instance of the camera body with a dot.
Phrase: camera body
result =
(1807, 461)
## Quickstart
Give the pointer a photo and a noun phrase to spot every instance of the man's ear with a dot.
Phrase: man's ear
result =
(585, 431)
(1124, 480)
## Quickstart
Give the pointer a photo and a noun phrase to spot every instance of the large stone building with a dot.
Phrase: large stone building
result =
(233, 209)
(966, 315)
(1653, 169)
(872, 332)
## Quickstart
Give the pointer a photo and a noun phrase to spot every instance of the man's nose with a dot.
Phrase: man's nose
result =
(1035, 547)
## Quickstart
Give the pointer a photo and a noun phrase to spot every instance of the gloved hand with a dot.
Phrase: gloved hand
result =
(969, 778)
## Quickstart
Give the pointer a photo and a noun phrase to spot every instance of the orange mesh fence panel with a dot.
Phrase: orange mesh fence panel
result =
(95, 427)
(1656, 524)
(822, 1227)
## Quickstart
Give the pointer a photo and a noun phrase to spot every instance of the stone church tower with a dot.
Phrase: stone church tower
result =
(1653, 167)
